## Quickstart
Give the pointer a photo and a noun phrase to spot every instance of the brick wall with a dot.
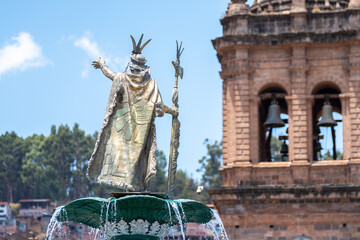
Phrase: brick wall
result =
(299, 52)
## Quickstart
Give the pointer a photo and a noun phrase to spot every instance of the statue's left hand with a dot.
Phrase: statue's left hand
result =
(98, 63)
(175, 111)
(175, 94)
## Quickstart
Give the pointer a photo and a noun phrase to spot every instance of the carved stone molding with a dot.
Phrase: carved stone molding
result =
(352, 66)
(299, 68)
(234, 72)
(136, 227)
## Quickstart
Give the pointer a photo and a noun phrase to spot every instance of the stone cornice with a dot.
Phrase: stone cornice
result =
(250, 15)
(249, 39)
(326, 163)
(299, 68)
(315, 164)
(234, 72)
(345, 96)
(292, 97)
(272, 165)
(299, 190)
(352, 66)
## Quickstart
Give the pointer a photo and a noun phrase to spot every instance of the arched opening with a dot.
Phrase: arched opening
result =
(273, 125)
(301, 238)
(327, 124)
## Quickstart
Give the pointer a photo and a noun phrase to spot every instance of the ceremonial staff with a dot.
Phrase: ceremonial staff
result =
(175, 128)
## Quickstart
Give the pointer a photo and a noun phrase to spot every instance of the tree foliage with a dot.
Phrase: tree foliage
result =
(210, 164)
(185, 185)
(47, 167)
(275, 147)
(159, 182)
(12, 151)
(330, 156)
(55, 166)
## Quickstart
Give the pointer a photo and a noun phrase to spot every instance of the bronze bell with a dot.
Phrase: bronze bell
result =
(284, 148)
(273, 119)
(327, 119)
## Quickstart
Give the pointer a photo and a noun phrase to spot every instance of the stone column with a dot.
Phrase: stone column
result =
(354, 4)
(298, 16)
(288, 100)
(229, 121)
(232, 26)
(298, 6)
(354, 100)
(237, 7)
(254, 129)
(236, 109)
(242, 107)
(344, 98)
(299, 124)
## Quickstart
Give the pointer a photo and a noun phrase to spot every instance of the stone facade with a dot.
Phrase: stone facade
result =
(298, 47)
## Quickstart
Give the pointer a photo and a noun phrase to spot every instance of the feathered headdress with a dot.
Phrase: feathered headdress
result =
(137, 59)
(136, 47)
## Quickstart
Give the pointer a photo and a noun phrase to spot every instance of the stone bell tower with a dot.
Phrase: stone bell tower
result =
(298, 62)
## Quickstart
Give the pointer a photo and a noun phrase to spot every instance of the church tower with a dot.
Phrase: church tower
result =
(291, 120)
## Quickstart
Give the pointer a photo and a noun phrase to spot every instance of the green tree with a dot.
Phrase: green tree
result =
(82, 147)
(275, 147)
(329, 156)
(57, 161)
(186, 187)
(12, 151)
(210, 164)
(159, 182)
(55, 167)
(33, 169)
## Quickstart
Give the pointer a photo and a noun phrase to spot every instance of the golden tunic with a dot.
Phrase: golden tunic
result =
(124, 154)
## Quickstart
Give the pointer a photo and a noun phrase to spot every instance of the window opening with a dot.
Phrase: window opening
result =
(273, 126)
(327, 125)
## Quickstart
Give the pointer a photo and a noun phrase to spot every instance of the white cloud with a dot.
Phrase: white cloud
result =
(91, 48)
(93, 51)
(22, 54)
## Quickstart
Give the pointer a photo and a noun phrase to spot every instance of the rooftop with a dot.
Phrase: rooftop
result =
(34, 200)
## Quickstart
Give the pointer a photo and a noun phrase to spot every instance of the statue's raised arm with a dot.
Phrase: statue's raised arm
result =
(104, 68)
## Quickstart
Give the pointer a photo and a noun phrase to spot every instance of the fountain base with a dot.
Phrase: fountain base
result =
(124, 194)
(134, 217)
(134, 237)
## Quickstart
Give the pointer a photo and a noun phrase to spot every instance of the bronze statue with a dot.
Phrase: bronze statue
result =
(124, 154)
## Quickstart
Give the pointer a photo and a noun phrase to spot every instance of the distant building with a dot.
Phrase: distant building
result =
(72, 231)
(288, 65)
(34, 207)
(5, 211)
(7, 227)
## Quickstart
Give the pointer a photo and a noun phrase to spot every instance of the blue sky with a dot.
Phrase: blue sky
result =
(46, 78)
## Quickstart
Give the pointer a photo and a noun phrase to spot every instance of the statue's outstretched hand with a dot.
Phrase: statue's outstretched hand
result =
(98, 63)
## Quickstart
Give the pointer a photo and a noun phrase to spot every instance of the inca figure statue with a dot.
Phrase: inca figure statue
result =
(124, 154)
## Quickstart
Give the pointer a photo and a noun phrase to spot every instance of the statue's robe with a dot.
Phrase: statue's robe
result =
(124, 154)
